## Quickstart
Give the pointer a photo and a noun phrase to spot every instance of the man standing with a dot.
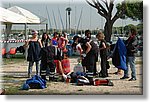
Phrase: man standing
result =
(90, 49)
(131, 45)
(88, 36)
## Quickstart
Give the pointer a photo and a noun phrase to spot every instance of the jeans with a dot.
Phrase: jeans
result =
(30, 68)
(131, 62)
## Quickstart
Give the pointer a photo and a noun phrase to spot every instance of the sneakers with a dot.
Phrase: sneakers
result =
(124, 77)
(132, 79)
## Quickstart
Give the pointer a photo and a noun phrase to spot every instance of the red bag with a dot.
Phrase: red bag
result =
(106, 82)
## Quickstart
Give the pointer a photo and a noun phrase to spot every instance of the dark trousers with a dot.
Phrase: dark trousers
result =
(103, 72)
(47, 69)
(96, 59)
(90, 62)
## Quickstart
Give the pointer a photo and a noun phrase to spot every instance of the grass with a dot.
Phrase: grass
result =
(14, 59)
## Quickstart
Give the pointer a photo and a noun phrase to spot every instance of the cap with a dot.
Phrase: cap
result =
(34, 32)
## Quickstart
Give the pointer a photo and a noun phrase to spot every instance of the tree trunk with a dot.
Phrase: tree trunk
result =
(108, 30)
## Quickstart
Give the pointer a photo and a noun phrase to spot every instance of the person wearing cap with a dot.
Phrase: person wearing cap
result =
(34, 47)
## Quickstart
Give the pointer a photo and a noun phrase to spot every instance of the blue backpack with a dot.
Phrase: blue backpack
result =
(36, 82)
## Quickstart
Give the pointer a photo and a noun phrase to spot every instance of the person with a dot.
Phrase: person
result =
(78, 75)
(78, 67)
(45, 40)
(110, 48)
(61, 42)
(66, 37)
(88, 36)
(34, 49)
(89, 49)
(76, 46)
(103, 54)
(54, 39)
(131, 46)
(45, 64)
(65, 65)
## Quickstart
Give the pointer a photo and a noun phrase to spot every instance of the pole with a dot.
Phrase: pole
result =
(61, 19)
(46, 28)
(6, 45)
(26, 38)
(49, 18)
(69, 21)
(66, 20)
(54, 19)
(75, 19)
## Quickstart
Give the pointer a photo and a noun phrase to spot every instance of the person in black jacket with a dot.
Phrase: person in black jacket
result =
(103, 54)
(131, 46)
(88, 36)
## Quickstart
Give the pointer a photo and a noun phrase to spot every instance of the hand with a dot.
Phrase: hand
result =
(83, 55)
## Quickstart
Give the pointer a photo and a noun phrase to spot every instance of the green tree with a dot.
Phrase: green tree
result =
(105, 10)
(135, 9)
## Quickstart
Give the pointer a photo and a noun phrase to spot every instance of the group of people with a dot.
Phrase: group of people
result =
(52, 52)
(89, 52)
(38, 52)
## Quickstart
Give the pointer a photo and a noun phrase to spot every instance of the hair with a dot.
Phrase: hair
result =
(75, 38)
(133, 31)
(43, 38)
(55, 33)
(87, 32)
(100, 34)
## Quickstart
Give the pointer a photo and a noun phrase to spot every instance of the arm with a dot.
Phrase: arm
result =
(104, 46)
(26, 43)
(88, 47)
(66, 39)
(40, 43)
(78, 47)
(63, 44)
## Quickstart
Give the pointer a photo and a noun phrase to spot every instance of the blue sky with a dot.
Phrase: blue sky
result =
(90, 19)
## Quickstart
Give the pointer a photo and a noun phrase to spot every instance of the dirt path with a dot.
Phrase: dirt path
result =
(17, 73)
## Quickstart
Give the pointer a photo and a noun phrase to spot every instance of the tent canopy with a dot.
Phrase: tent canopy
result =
(7, 16)
(31, 18)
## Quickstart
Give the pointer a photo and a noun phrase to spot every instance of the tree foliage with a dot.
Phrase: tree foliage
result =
(134, 9)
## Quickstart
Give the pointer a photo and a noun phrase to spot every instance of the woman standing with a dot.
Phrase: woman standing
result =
(33, 52)
(103, 54)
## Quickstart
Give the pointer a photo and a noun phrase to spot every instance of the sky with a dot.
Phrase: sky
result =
(90, 19)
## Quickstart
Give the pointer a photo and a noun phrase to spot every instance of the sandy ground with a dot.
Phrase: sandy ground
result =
(19, 72)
